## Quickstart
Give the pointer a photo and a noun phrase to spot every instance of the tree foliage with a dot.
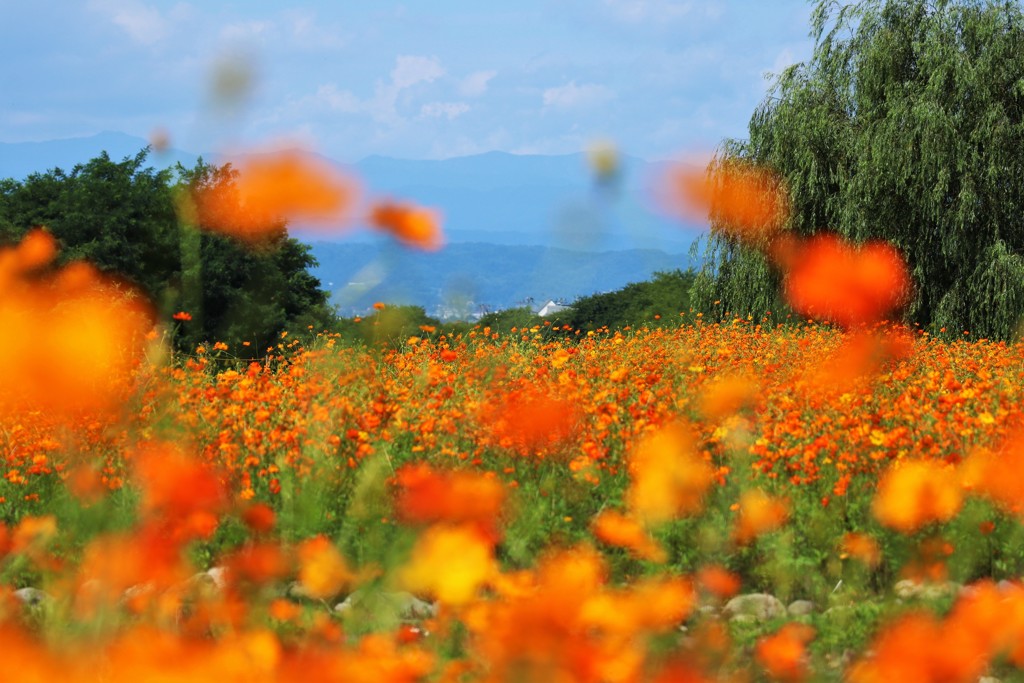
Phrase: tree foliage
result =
(123, 217)
(905, 125)
(663, 297)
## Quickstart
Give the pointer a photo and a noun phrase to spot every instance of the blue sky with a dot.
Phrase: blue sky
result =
(415, 79)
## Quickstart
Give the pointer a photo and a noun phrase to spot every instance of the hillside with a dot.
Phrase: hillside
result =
(469, 278)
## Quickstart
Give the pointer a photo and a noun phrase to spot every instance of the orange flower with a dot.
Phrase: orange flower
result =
(323, 572)
(784, 654)
(727, 395)
(616, 529)
(998, 475)
(270, 189)
(182, 316)
(179, 490)
(260, 518)
(903, 651)
(33, 534)
(831, 279)
(758, 513)
(917, 492)
(426, 496)
(746, 201)
(449, 562)
(718, 581)
(530, 420)
(668, 478)
(412, 225)
(261, 563)
(73, 336)
(861, 547)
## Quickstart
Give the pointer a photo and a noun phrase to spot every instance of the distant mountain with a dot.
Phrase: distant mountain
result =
(467, 278)
(533, 199)
(19, 159)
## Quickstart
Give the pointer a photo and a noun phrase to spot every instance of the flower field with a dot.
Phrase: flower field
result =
(563, 507)
(709, 500)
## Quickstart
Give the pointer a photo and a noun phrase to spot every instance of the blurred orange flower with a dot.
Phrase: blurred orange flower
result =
(450, 563)
(998, 474)
(323, 572)
(72, 336)
(758, 513)
(620, 531)
(831, 279)
(411, 225)
(784, 653)
(748, 202)
(913, 493)
(667, 477)
(718, 581)
(861, 547)
(270, 189)
(178, 489)
(727, 395)
(425, 495)
(530, 420)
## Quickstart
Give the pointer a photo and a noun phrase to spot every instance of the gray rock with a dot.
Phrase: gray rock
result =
(914, 590)
(800, 608)
(760, 606)
(32, 596)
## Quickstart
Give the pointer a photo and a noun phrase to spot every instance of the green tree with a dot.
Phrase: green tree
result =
(907, 124)
(123, 218)
(657, 301)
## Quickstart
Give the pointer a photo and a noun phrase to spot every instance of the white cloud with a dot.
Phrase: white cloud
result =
(310, 32)
(572, 95)
(449, 110)
(338, 100)
(382, 106)
(475, 84)
(410, 70)
(246, 31)
(143, 23)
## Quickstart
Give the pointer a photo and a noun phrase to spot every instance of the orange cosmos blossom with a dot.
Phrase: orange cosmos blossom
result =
(668, 477)
(412, 225)
(270, 189)
(784, 653)
(179, 492)
(861, 547)
(834, 280)
(451, 563)
(728, 395)
(998, 474)
(913, 493)
(718, 581)
(323, 572)
(425, 495)
(618, 530)
(530, 420)
(747, 201)
(759, 513)
(73, 336)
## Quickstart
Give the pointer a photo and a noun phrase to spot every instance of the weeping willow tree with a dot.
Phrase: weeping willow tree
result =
(907, 125)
